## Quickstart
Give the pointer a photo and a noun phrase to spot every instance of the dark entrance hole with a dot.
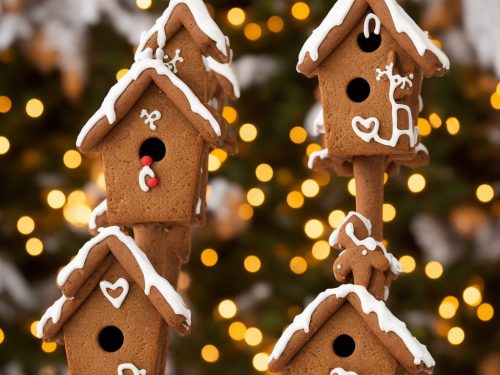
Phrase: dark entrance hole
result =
(344, 346)
(111, 339)
(153, 147)
(369, 44)
(358, 90)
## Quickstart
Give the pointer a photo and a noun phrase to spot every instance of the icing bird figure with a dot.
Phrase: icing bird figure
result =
(151, 118)
(147, 177)
(172, 64)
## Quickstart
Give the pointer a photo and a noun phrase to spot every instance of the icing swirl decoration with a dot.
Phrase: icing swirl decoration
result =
(147, 177)
(129, 366)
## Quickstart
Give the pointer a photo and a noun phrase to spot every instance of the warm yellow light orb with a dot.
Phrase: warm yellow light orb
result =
(264, 172)
(472, 296)
(298, 265)
(260, 361)
(121, 73)
(227, 309)
(72, 159)
(256, 197)
(314, 228)
(209, 257)
(56, 199)
(253, 336)
(310, 188)
(336, 218)
(424, 127)
(453, 125)
(300, 10)
(275, 24)
(252, 31)
(321, 250)
(351, 187)
(408, 263)
(237, 331)
(388, 212)
(248, 132)
(143, 4)
(448, 307)
(298, 135)
(4, 145)
(416, 183)
(49, 347)
(210, 353)
(34, 108)
(236, 16)
(434, 270)
(295, 199)
(485, 312)
(456, 336)
(485, 193)
(34, 246)
(5, 104)
(230, 114)
(252, 263)
(435, 120)
(245, 211)
(25, 225)
(213, 163)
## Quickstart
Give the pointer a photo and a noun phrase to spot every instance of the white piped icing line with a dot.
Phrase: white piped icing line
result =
(202, 18)
(151, 277)
(129, 366)
(224, 70)
(108, 105)
(121, 283)
(402, 22)
(371, 17)
(370, 243)
(387, 322)
(151, 118)
(171, 63)
(53, 313)
(145, 172)
(98, 211)
(341, 371)
(323, 154)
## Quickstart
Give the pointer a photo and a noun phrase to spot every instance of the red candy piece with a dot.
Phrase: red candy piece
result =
(147, 161)
(152, 182)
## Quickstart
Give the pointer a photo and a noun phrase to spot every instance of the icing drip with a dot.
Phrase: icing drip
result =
(387, 322)
(120, 283)
(202, 18)
(370, 243)
(53, 313)
(341, 371)
(108, 106)
(371, 17)
(98, 211)
(198, 207)
(224, 70)
(323, 154)
(131, 367)
(151, 277)
(146, 171)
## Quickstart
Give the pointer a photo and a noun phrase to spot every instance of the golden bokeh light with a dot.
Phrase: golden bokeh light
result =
(388, 212)
(5, 104)
(416, 183)
(310, 188)
(264, 172)
(434, 270)
(2, 336)
(256, 197)
(248, 132)
(275, 24)
(236, 16)
(34, 108)
(295, 199)
(245, 211)
(408, 263)
(121, 73)
(448, 307)
(485, 193)
(25, 225)
(72, 159)
(485, 312)
(34, 246)
(495, 100)
(56, 199)
(336, 218)
(472, 295)
(213, 163)
(33, 328)
(209, 257)
(453, 125)
(237, 331)
(314, 228)
(227, 309)
(435, 120)
(260, 361)
(351, 187)
(230, 114)
(144, 4)
(210, 353)
(298, 135)
(321, 250)
(49, 347)
(298, 265)
(252, 263)
(253, 336)
(424, 127)
(4, 145)
(456, 336)
(300, 10)
(252, 31)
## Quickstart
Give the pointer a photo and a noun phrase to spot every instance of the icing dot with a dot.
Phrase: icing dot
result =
(364, 252)
(152, 182)
(147, 160)
(339, 266)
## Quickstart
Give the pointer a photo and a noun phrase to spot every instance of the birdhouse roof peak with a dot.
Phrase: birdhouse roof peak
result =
(345, 14)
(391, 331)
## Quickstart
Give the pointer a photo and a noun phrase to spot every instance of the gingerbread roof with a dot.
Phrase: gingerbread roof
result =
(193, 15)
(345, 14)
(125, 93)
(84, 272)
(225, 76)
(392, 332)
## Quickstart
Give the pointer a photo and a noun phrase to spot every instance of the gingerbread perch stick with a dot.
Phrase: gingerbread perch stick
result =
(154, 130)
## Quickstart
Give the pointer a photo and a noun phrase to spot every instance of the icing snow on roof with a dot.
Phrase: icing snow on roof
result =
(98, 211)
(203, 20)
(387, 322)
(151, 277)
(224, 70)
(402, 22)
(108, 105)
(53, 312)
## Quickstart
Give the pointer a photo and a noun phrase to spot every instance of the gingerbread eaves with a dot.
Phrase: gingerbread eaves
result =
(194, 16)
(80, 277)
(346, 14)
(392, 332)
(225, 76)
(125, 93)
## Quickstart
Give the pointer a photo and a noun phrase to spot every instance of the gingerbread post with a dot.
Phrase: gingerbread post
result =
(370, 58)
(154, 130)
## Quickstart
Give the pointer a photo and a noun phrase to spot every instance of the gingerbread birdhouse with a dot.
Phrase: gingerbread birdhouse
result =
(115, 309)
(155, 126)
(370, 58)
(347, 331)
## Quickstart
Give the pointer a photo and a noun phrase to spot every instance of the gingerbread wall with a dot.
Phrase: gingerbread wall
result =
(178, 169)
(92, 336)
(344, 77)
(331, 348)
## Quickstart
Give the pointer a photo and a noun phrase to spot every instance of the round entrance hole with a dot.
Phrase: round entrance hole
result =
(358, 90)
(153, 147)
(111, 339)
(370, 44)
(344, 346)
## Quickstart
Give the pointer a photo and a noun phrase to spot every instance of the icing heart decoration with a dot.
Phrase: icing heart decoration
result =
(362, 126)
(121, 283)
(131, 367)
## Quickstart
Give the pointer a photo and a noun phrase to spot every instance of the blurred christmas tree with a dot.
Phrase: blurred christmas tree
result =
(264, 248)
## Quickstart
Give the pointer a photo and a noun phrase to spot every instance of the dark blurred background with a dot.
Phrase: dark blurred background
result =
(263, 253)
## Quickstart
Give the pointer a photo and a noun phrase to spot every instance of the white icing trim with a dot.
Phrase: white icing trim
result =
(146, 171)
(387, 322)
(371, 17)
(202, 18)
(151, 118)
(151, 277)
(108, 105)
(120, 283)
(198, 207)
(224, 70)
(131, 367)
(420, 104)
(421, 148)
(172, 63)
(402, 22)
(341, 371)
(53, 313)
(370, 243)
(100, 209)
(323, 154)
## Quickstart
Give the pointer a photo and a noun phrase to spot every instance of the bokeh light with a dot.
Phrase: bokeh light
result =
(227, 309)
(408, 263)
(209, 257)
(416, 183)
(34, 108)
(236, 16)
(456, 336)
(25, 225)
(210, 353)
(252, 263)
(434, 270)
